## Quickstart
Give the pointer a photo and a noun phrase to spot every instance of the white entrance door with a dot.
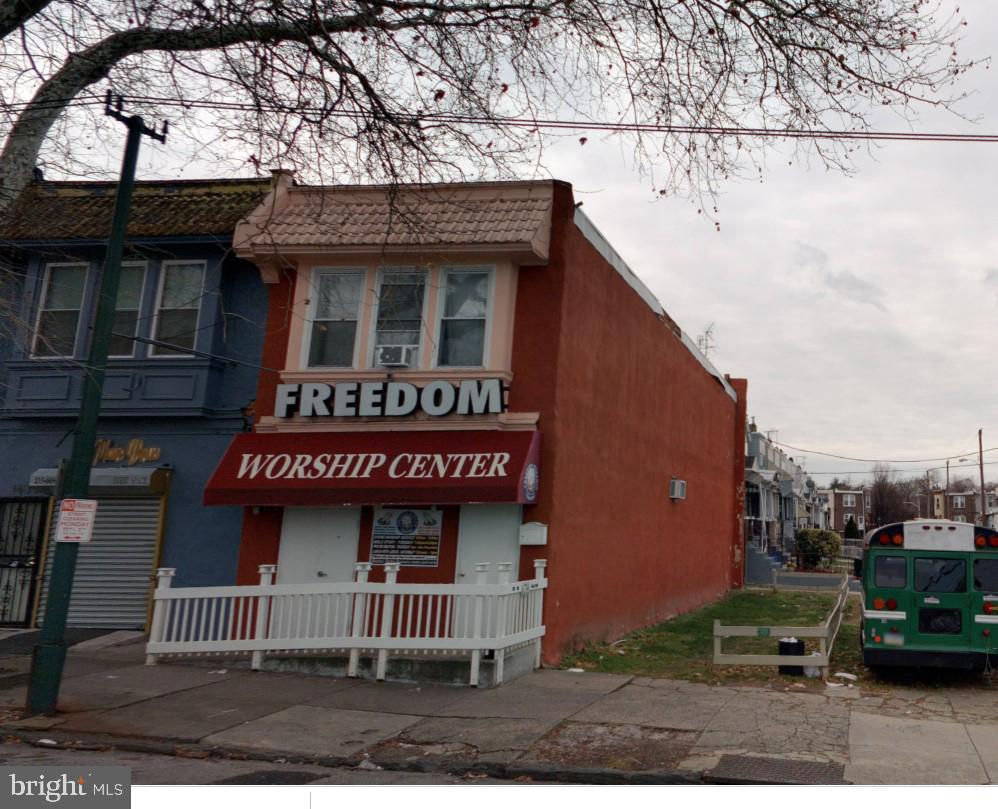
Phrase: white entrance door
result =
(318, 545)
(487, 533)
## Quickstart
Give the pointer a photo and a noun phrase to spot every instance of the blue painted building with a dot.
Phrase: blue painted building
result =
(188, 328)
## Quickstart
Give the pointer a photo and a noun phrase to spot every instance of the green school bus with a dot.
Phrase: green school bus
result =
(930, 595)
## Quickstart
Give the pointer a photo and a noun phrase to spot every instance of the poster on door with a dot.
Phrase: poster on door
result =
(408, 536)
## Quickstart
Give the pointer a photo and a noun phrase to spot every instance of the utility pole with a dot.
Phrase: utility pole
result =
(980, 459)
(50, 652)
(946, 494)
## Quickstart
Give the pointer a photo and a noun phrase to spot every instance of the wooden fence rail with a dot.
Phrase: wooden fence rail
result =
(826, 634)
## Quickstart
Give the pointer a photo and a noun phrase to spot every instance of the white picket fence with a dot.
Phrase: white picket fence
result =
(354, 617)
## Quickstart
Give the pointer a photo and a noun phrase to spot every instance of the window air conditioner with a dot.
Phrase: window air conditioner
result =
(677, 489)
(396, 356)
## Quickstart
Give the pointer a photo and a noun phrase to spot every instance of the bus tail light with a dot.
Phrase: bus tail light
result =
(891, 603)
(884, 539)
(989, 608)
(898, 539)
(878, 603)
(994, 541)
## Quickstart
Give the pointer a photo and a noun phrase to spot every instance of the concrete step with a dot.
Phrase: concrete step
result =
(445, 670)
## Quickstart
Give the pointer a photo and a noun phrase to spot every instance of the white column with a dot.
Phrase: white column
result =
(481, 578)
(362, 570)
(164, 579)
(262, 613)
(539, 566)
(387, 613)
(502, 614)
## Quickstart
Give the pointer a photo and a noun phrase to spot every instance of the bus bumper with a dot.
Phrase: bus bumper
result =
(915, 658)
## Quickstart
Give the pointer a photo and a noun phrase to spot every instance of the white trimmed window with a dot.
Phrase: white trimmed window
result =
(959, 501)
(959, 518)
(59, 310)
(181, 287)
(335, 304)
(464, 317)
(849, 500)
(126, 310)
(846, 517)
(399, 321)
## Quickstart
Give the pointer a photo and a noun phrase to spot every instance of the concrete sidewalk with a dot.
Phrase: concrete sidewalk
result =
(550, 724)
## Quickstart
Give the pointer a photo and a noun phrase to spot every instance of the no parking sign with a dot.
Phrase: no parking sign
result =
(76, 520)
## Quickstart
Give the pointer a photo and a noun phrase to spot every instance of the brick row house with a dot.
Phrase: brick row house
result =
(478, 361)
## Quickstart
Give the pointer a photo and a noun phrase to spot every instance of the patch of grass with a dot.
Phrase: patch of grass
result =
(682, 648)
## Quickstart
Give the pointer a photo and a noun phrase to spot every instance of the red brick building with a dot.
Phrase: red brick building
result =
(477, 359)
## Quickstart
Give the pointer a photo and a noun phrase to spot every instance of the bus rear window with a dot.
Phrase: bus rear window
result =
(986, 575)
(940, 576)
(889, 571)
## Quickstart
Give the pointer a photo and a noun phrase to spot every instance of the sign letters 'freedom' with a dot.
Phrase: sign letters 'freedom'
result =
(471, 397)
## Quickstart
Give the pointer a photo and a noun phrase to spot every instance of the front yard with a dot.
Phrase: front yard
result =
(682, 648)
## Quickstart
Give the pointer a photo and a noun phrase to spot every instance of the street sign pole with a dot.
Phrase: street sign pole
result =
(50, 653)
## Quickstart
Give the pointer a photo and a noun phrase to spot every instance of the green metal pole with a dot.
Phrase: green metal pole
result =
(50, 652)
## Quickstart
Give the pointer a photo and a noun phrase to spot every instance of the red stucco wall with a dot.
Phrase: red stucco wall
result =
(624, 407)
(262, 526)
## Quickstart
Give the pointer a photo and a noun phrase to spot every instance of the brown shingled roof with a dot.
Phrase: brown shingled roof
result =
(481, 214)
(82, 210)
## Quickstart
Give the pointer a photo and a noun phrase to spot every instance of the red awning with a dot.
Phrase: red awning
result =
(430, 467)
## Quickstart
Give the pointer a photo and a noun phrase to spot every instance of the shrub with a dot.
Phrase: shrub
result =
(851, 531)
(817, 548)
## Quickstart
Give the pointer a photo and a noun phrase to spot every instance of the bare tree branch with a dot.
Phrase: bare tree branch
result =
(390, 91)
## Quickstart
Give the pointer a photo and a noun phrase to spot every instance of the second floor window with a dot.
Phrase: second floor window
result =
(959, 501)
(126, 310)
(399, 322)
(59, 311)
(848, 500)
(334, 319)
(462, 323)
(177, 307)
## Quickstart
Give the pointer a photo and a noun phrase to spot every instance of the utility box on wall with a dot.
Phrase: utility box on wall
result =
(533, 533)
(677, 489)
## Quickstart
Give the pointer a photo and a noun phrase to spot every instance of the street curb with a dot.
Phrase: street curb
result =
(508, 772)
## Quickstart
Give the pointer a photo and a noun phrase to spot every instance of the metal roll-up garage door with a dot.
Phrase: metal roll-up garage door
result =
(111, 587)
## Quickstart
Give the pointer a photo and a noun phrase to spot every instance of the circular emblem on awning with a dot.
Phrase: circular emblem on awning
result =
(531, 479)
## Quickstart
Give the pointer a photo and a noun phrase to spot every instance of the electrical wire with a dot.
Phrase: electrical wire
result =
(879, 460)
(434, 118)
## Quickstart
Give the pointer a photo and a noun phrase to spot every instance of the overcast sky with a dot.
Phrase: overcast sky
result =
(862, 309)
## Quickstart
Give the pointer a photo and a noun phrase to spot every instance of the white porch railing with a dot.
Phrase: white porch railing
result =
(387, 618)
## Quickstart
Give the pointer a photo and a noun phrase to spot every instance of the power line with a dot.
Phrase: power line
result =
(433, 118)
(880, 460)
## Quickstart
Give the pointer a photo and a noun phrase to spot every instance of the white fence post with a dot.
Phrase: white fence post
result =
(539, 566)
(505, 570)
(362, 570)
(481, 577)
(164, 578)
(262, 613)
(387, 613)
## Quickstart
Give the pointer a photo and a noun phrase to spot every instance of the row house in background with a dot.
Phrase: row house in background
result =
(779, 496)
(188, 330)
(965, 506)
(848, 504)
(473, 366)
